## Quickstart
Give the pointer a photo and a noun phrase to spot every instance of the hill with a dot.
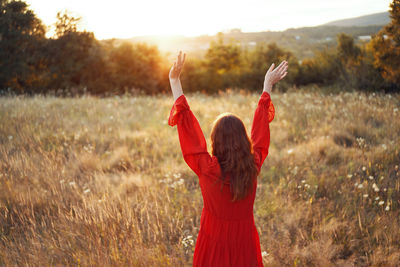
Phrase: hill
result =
(367, 20)
(303, 42)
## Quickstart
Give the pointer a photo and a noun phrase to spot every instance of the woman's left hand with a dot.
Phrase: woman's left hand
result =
(177, 67)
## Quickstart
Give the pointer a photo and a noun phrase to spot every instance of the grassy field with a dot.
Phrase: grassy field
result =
(101, 182)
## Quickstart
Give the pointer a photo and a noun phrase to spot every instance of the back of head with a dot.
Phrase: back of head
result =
(232, 147)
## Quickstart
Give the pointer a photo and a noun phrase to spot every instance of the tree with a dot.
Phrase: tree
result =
(323, 69)
(349, 57)
(21, 36)
(66, 24)
(223, 57)
(386, 47)
(72, 56)
(347, 50)
(136, 67)
(223, 63)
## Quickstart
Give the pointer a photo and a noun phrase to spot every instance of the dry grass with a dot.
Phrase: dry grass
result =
(101, 182)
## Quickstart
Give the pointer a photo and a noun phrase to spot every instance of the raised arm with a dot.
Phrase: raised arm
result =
(191, 137)
(264, 114)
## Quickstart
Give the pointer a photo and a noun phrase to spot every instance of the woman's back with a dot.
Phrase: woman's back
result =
(227, 236)
(217, 199)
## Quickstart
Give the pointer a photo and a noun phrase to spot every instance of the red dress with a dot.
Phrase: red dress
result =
(227, 235)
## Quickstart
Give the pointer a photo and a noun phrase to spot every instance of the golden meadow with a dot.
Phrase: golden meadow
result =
(101, 181)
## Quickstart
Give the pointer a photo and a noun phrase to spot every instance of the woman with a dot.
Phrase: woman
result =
(227, 177)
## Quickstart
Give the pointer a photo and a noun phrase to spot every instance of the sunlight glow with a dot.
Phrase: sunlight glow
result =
(125, 19)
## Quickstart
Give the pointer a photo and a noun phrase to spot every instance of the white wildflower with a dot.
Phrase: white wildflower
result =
(365, 195)
(303, 181)
(375, 187)
(364, 168)
(86, 191)
(290, 151)
(381, 203)
(349, 175)
(10, 137)
(72, 183)
(387, 208)
(371, 177)
(177, 175)
(188, 241)
(360, 186)
(294, 171)
(264, 254)
(360, 142)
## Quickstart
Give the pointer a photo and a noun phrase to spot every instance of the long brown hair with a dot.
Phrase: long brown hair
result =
(233, 149)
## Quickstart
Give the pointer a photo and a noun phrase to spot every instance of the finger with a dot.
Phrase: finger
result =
(184, 57)
(271, 68)
(283, 76)
(283, 69)
(281, 66)
(178, 58)
(277, 70)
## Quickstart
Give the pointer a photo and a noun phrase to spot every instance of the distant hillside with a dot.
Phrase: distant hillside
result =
(367, 20)
(302, 42)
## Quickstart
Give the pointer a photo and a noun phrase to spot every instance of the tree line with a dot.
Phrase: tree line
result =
(75, 62)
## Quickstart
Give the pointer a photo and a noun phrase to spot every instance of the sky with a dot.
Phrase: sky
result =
(130, 18)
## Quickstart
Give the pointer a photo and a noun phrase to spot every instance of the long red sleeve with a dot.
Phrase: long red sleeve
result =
(260, 134)
(191, 137)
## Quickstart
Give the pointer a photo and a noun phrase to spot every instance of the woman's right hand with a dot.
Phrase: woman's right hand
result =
(274, 75)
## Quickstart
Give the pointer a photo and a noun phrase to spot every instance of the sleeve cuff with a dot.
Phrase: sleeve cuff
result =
(266, 102)
(179, 105)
